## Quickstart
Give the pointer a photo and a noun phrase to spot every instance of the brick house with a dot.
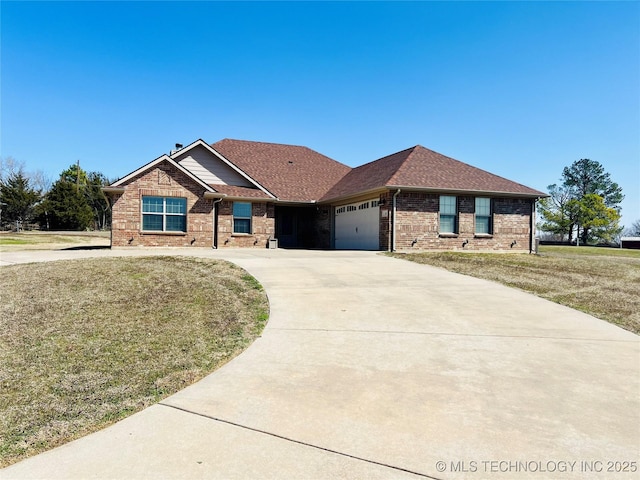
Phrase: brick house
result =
(237, 193)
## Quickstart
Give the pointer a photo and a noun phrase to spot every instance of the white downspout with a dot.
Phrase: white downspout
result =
(393, 220)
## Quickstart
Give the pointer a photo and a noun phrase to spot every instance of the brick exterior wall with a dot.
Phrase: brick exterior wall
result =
(165, 181)
(322, 221)
(417, 224)
(417, 219)
(263, 226)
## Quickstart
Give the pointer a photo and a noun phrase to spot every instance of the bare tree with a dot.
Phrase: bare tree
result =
(10, 166)
(633, 230)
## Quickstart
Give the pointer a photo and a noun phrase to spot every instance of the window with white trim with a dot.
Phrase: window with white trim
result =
(242, 217)
(483, 216)
(448, 214)
(164, 214)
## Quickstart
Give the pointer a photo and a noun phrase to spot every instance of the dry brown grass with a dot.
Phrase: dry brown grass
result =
(85, 343)
(602, 282)
(37, 240)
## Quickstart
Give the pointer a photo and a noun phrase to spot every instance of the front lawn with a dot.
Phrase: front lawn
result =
(84, 343)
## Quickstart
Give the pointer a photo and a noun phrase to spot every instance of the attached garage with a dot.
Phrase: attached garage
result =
(357, 226)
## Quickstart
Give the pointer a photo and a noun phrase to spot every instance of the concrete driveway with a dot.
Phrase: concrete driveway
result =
(373, 367)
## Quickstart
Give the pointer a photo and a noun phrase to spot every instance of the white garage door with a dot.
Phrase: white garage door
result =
(358, 226)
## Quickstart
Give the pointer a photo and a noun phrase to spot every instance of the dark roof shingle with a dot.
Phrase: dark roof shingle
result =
(240, 192)
(419, 167)
(291, 173)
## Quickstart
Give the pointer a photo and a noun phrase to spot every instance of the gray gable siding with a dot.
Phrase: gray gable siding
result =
(210, 169)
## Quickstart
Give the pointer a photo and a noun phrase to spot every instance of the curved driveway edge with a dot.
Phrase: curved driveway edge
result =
(374, 367)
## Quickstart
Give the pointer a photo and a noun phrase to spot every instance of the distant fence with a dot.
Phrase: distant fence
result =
(19, 227)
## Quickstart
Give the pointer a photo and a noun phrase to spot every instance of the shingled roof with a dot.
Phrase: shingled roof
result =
(421, 168)
(240, 192)
(291, 173)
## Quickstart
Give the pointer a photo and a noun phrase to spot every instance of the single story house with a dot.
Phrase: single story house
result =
(237, 193)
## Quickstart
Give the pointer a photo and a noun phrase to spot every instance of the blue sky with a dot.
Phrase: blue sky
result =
(521, 89)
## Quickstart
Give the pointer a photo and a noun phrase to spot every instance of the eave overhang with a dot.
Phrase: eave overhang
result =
(461, 191)
(363, 193)
(113, 190)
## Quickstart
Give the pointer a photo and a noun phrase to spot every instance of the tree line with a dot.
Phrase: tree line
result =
(73, 202)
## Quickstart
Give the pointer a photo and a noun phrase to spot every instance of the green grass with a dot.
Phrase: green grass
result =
(85, 343)
(15, 241)
(602, 282)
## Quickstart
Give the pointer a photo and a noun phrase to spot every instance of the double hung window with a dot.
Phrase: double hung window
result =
(448, 214)
(242, 217)
(483, 216)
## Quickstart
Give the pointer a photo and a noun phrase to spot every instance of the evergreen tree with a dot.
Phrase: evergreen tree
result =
(586, 176)
(98, 200)
(76, 201)
(17, 198)
(65, 207)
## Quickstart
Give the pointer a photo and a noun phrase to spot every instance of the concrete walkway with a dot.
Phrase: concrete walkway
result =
(372, 367)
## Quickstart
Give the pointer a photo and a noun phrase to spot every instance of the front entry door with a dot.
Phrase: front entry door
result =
(287, 228)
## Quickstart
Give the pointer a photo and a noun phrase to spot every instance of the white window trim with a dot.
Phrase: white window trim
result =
(164, 214)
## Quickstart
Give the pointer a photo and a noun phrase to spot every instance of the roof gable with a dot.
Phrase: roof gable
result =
(292, 173)
(214, 168)
(164, 158)
(210, 167)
